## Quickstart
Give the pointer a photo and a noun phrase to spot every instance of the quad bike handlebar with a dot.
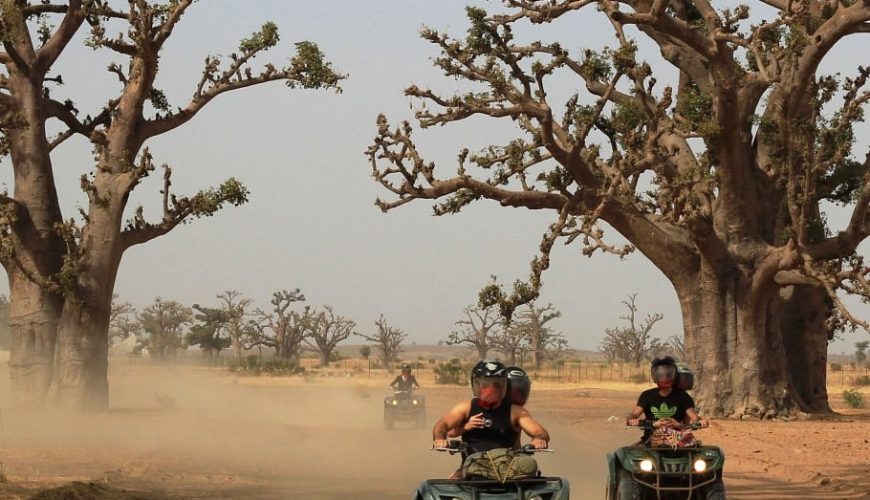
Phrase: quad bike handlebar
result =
(456, 446)
(649, 424)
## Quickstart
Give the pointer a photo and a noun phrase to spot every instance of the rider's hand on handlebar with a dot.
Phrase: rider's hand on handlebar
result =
(667, 422)
(632, 422)
(440, 443)
(540, 444)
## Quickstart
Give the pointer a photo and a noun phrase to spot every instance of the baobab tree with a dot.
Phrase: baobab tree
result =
(477, 329)
(209, 333)
(325, 331)
(511, 340)
(237, 326)
(122, 321)
(543, 342)
(388, 340)
(720, 177)
(163, 324)
(287, 327)
(632, 343)
(62, 269)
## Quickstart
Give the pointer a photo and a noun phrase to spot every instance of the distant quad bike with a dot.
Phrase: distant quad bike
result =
(404, 406)
(645, 473)
(538, 487)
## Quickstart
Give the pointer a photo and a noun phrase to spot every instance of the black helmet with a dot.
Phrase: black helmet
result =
(405, 367)
(519, 385)
(664, 367)
(488, 370)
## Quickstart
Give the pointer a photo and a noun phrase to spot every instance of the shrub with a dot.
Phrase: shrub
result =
(836, 367)
(254, 366)
(637, 378)
(862, 380)
(449, 373)
(853, 398)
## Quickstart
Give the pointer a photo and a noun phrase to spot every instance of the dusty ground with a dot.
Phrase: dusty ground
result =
(200, 433)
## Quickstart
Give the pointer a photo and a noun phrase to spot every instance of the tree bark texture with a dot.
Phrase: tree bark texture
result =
(744, 364)
(33, 320)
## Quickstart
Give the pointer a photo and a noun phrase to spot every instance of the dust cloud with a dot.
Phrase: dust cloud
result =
(204, 433)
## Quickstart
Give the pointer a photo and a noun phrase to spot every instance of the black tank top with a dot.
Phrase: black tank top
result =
(498, 431)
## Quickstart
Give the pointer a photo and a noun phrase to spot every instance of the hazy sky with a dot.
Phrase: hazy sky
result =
(311, 222)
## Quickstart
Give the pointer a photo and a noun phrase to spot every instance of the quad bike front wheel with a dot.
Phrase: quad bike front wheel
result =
(715, 491)
(626, 487)
(388, 419)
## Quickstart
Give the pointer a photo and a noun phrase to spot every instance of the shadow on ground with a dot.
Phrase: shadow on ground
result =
(851, 482)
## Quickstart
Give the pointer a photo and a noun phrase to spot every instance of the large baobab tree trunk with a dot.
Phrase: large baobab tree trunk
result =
(804, 310)
(81, 359)
(744, 365)
(33, 319)
(34, 309)
(80, 379)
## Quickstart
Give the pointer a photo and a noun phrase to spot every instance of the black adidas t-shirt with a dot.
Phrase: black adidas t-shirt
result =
(674, 405)
(655, 406)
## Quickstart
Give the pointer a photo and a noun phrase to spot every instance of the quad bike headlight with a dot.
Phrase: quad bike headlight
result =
(646, 465)
(414, 402)
(700, 465)
(395, 402)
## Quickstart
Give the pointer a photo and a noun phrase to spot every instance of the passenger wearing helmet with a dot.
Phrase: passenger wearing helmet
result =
(666, 404)
(490, 420)
(518, 388)
(519, 385)
(405, 382)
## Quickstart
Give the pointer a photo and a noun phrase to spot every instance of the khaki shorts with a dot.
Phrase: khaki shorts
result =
(500, 464)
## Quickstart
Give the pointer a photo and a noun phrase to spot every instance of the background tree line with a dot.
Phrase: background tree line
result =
(287, 328)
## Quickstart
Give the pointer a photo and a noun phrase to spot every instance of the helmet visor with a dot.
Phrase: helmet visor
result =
(664, 372)
(499, 383)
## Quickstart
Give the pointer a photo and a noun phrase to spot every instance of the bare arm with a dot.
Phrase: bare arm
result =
(693, 418)
(634, 416)
(453, 419)
(523, 419)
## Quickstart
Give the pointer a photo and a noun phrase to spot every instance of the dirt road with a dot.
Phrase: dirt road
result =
(200, 433)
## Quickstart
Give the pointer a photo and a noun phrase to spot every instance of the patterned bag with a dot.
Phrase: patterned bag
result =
(500, 464)
(672, 438)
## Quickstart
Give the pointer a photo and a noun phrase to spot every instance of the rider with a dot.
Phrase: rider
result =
(666, 405)
(519, 385)
(489, 420)
(405, 382)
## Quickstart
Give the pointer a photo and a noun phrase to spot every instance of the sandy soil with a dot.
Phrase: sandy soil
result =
(189, 433)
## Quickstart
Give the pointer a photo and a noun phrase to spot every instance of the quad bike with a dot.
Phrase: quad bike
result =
(537, 487)
(642, 472)
(404, 406)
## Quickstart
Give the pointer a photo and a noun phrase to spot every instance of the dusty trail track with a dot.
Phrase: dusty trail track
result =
(200, 433)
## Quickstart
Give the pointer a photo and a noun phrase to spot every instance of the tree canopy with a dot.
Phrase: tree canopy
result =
(62, 266)
(718, 165)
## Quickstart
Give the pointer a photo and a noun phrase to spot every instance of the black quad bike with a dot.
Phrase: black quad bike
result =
(644, 472)
(480, 488)
(404, 406)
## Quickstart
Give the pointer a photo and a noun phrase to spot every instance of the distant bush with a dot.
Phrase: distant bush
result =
(254, 366)
(836, 367)
(853, 398)
(448, 373)
(862, 380)
(638, 378)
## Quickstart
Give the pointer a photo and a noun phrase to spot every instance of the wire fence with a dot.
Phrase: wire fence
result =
(575, 371)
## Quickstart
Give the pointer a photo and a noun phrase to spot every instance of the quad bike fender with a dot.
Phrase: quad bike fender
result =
(612, 467)
(553, 488)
